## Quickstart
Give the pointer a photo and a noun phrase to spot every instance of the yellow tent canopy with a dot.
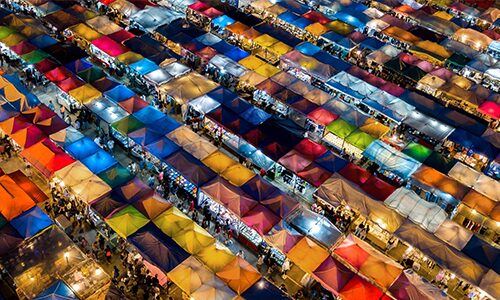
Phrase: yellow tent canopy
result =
(474, 39)
(265, 41)
(215, 256)
(129, 57)
(183, 136)
(188, 87)
(193, 238)
(280, 48)
(461, 81)
(251, 62)
(401, 34)
(430, 51)
(215, 289)
(85, 94)
(261, 4)
(339, 27)
(238, 174)
(267, 70)
(275, 10)
(127, 221)
(239, 275)
(317, 29)
(85, 32)
(251, 78)
(218, 162)
(443, 15)
(374, 128)
(13, 39)
(190, 275)
(73, 174)
(307, 255)
(172, 221)
(30, 31)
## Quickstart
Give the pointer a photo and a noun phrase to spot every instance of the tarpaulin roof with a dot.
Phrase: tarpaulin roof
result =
(116, 176)
(263, 289)
(391, 159)
(230, 196)
(144, 66)
(57, 291)
(193, 238)
(239, 275)
(341, 128)
(47, 157)
(307, 255)
(99, 161)
(190, 275)
(172, 221)
(15, 199)
(162, 148)
(73, 174)
(190, 168)
(31, 222)
(126, 221)
(188, 87)
(127, 125)
(103, 25)
(85, 32)
(27, 137)
(82, 148)
(427, 214)
(438, 180)
(158, 248)
(85, 93)
(260, 219)
(109, 46)
(215, 256)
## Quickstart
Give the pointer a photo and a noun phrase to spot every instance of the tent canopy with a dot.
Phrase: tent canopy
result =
(127, 221)
(391, 159)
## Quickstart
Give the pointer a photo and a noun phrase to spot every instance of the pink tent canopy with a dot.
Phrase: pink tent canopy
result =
(425, 66)
(58, 74)
(322, 116)
(410, 286)
(310, 149)
(351, 252)
(355, 174)
(333, 275)
(283, 239)
(314, 174)
(199, 6)
(260, 219)
(230, 196)
(294, 161)
(109, 46)
(377, 188)
(392, 89)
(442, 73)
(281, 204)
(491, 109)
(70, 83)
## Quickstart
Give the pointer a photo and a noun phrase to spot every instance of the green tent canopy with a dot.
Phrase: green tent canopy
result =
(127, 221)
(116, 176)
(5, 31)
(91, 74)
(127, 125)
(360, 139)
(417, 151)
(456, 60)
(35, 56)
(341, 128)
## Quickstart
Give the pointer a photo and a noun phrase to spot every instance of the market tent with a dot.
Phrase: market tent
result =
(193, 238)
(443, 254)
(337, 190)
(200, 148)
(91, 189)
(190, 168)
(172, 221)
(22, 48)
(230, 196)
(216, 256)
(73, 174)
(70, 83)
(417, 151)
(488, 187)
(307, 255)
(481, 204)
(410, 285)
(12, 125)
(238, 174)
(427, 214)
(85, 93)
(482, 252)
(428, 125)
(190, 275)
(162, 148)
(187, 87)
(358, 288)
(391, 159)
(453, 234)
(332, 274)
(215, 289)
(46, 157)
(133, 104)
(127, 125)
(341, 128)
(314, 174)
(474, 39)
(14, 199)
(374, 128)
(82, 148)
(260, 219)
(57, 291)
(259, 189)
(294, 161)
(144, 136)
(124, 7)
(27, 137)
(158, 77)
(31, 222)
(126, 221)
(464, 174)
(359, 139)
(119, 93)
(132, 191)
(239, 275)
(322, 116)
(263, 289)
(218, 162)
(491, 283)
(283, 239)
(158, 248)
(144, 66)
(355, 174)
(183, 136)
(153, 17)
(435, 179)
(377, 188)
(106, 206)
(331, 162)
(85, 32)
(99, 161)
(152, 206)
(280, 204)
(103, 25)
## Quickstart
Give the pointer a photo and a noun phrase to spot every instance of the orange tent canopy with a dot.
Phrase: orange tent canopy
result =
(436, 179)
(14, 200)
(239, 275)
(307, 255)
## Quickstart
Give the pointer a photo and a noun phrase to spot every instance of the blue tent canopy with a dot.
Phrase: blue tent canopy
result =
(357, 20)
(474, 143)
(236, 54)
(222, 21)
(31, 222)
(332, 36)
(43, 41)
(483, 253)
(288, 17)
(259, 188)
(383, 110)
(158, 248)
(331, 60)
(308, 49)
(119, 93)
(208, 39)
(190, 168)
(255, 115)
(82, 148)
(346, 43)
(237, 105)
(148, 115)
(294, 6)
(331, 162)
(78, 65)
(261, 160)
(7, 111)
(181, 38)
(56, 291)
(372, 44)
(144, 66)
(246, 149)
(144, 136)
(263, 289)
(21, 87)
(116, 176)
(222, 95)
(301, 23)
(164, 125)
(162, 148)
(222, 47)
(99, 161)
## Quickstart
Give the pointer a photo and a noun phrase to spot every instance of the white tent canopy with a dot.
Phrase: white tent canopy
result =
(176, 69)
(107, 110)
(428, 215)
(204, 104)
(124, 7)
(453, 234)
(158, 77)
(428, 126)
(488, 187)
(151, 17)
(391, 159)
(464, 174)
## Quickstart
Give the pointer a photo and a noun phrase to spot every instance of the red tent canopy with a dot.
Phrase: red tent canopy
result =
(261, 219)
(28, 136)
(47, 157)
(206, 53)
(377, 188)
(322, 116)
(310, 149)
(333, 275)
(491, 109)
(352, 253)
(22, 48)
(314, 174)
(45, 65)
(70, 83)
(230, 196)
(315, 16)
(294, 161)
(355, 174)
(133, 104)
(109, 46)
(199, 6)
(58, 74)
(121, 36)
(358, 288)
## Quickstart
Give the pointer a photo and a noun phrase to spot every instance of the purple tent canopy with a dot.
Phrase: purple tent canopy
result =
(258, 188)
(106, 206)
(333, 275)
(9, 239)
(131, 192)
(190, 168)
